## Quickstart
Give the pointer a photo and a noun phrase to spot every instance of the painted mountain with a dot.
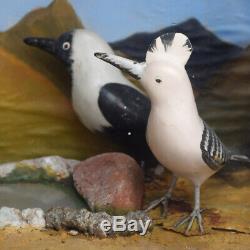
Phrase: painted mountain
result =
(52, 21)
(36, 119)
(218, 70)
(209, 52)
(226, 104)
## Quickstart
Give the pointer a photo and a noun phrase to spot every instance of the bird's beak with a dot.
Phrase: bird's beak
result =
(45, 44)
(133, 68)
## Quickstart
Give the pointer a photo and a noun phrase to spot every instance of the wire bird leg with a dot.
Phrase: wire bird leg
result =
(164, 199)
(196, 214)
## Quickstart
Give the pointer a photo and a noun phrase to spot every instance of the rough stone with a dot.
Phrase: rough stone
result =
(55, 167)
(34, 217)
(90, 223)
(112, 182)
(11, 217)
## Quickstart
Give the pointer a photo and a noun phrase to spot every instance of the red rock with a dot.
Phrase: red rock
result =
(112, 182)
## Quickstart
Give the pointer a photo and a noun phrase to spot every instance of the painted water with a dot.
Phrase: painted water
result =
(39, 195)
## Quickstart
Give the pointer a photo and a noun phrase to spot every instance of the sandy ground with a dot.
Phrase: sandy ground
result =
(29, 239)
(227, 222)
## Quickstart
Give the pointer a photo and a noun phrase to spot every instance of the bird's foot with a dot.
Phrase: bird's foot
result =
(196, 214)
(163, 201)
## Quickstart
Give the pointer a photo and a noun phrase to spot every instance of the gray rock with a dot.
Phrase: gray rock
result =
(11, 217)
(34, 217)
(84, 221)
(55, 166)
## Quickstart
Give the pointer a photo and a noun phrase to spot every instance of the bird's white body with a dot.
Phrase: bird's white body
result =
(174, 133)
(175, 129)
(89, 75)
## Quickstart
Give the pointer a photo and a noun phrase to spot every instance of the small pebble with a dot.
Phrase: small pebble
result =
(73, 232)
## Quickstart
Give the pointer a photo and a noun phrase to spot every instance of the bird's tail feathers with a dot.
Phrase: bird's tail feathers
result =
(170, 45)
(239, 160)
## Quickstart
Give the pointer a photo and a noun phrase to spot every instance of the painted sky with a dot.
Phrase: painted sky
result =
(115, 20)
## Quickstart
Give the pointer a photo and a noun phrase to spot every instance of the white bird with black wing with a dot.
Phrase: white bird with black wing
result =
(104, 100)
(178, 137)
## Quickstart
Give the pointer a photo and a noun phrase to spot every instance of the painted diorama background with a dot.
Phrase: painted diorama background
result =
(36, 117)
(114, 20)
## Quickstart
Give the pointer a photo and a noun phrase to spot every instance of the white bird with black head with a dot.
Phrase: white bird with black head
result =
(178, 137)
(104, 100)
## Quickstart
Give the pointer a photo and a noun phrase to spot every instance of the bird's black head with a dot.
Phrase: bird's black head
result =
(61, 47)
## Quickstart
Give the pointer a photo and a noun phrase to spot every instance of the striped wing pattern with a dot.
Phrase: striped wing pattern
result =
(214, 153)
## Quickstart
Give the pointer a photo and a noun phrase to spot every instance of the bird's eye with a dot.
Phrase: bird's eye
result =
(158, 80)
(66, 46)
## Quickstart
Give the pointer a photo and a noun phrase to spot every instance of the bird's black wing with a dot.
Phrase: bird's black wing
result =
(214, 153)
(127, 110)
(124, 107)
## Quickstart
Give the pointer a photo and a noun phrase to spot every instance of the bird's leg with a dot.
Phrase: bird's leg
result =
(164, 199)
(196, 214)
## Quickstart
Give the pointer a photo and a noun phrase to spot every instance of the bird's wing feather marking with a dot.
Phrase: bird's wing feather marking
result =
(124, 107)
(214, 153)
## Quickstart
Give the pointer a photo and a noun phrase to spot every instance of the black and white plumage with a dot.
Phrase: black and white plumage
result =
(127, 105)
(176, 134)
(214, 153)
(104, 100)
